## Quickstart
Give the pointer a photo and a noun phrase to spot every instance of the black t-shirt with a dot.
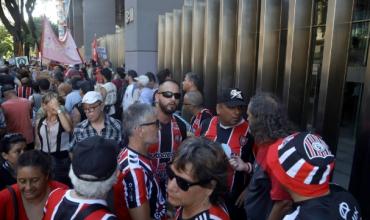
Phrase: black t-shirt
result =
(166, 140)
(6, 178)
(339, 204)
(6, 79)
(258, 200)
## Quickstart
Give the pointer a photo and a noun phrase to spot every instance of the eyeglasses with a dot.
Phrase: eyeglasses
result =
(91, 109)
(183, 184)
(168, 94)
(156, 123)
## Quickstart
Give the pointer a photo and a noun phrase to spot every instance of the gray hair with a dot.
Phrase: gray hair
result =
(135, 115)
(195, 98)
(92, 190)
(196, 79)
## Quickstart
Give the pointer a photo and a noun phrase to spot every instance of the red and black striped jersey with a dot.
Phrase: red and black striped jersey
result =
(239, 141)
(24, 91)
(136, 185)
(197, 120)
(215, 212)
(170, 137)
(61, 205)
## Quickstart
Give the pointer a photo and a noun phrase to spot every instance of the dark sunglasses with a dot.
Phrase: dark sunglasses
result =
(183, 184)
(168, 94)
(156, 123)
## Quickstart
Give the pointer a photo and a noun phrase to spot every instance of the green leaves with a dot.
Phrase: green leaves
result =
(6, 43)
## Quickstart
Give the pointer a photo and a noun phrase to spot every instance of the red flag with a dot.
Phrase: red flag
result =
(94, 50)
(64, 51)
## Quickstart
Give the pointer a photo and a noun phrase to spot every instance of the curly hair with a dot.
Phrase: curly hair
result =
(193, 151)
(270, 120)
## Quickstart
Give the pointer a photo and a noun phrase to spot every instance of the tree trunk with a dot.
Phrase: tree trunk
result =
(27, 50)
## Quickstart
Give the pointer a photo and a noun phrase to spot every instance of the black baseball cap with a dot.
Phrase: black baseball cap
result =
(95, 159)
(7, 87)
(231, 97)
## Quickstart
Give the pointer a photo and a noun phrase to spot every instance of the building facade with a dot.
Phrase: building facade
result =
(313, 54)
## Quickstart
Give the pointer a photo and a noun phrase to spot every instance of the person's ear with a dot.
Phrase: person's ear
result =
(4, 155)
(218, 106)
(156, 97)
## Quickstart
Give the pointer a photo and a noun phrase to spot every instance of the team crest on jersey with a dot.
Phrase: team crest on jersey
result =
(315, 147)
(243, 140)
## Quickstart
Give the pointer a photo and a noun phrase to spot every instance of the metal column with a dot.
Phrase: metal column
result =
(211, 52)
(246, 46)
(168, 42)
(297, 57)
(186, 34)
(269, 40)
(227, 44)
(336, 45)
(197, 47)
(176, 45)
(161, 41)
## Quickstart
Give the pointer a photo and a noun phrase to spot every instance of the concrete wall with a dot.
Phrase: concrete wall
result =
(98, 18)
(141, 34)
(77, 22)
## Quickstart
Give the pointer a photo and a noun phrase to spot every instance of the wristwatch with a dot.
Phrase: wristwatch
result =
(59, 111)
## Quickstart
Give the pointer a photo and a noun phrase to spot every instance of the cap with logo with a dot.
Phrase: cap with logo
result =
(92, 97)
(302, 163)
(95, 159)
(231, 97)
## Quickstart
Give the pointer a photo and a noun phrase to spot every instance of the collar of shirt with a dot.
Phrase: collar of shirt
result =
(227, 127)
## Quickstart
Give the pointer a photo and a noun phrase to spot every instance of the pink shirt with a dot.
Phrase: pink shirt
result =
(17, 114)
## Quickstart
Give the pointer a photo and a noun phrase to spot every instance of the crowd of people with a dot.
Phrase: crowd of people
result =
(91, 142)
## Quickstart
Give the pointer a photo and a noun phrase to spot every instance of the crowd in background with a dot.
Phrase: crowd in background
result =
(92, 142)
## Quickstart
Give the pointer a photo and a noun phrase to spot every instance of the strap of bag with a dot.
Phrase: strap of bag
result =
(89, 210)
(15, 202)
(47, 138)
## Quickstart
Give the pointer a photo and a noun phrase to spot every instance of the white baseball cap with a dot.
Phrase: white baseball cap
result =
(142, 80)
(92, 97)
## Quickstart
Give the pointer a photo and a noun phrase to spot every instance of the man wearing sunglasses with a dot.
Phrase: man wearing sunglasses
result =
(172, 132)
(97, 122)
(230, 129)
(137, 194)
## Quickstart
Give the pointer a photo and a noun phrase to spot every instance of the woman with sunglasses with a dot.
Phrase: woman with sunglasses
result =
(11, 146)
(197, 179)
(26, 199)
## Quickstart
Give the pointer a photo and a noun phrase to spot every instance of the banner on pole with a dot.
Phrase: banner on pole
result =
(64, 51)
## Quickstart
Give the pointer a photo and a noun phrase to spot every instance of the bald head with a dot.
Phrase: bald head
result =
(168, 83)
(195, 98)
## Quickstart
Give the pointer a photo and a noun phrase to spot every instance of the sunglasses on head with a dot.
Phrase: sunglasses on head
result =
(168, 94)
(183, 184)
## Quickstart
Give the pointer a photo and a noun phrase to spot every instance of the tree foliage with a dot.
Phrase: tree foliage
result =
(6, 43)
(16, 24)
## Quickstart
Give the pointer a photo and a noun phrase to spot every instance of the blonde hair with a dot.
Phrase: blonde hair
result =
(47, 97)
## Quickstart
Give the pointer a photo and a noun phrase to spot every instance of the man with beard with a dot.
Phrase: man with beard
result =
(231, 130)
(172, 131)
